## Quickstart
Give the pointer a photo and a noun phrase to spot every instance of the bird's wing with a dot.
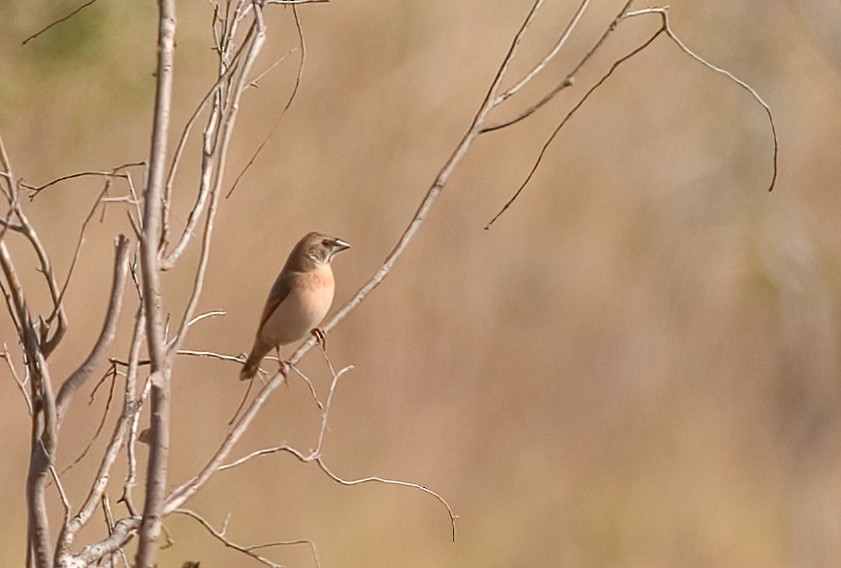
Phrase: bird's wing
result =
(281, 289)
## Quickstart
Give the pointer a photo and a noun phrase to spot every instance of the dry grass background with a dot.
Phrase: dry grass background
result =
(637, 367)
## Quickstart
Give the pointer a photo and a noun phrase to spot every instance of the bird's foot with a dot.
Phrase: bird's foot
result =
(284, 370)
(320, 337)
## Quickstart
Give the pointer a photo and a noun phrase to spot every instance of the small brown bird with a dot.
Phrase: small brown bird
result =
(299, 300)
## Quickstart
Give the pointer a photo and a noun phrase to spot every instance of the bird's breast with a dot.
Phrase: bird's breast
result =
(307, 303)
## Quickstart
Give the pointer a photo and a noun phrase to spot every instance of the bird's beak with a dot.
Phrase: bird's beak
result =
(339, 245)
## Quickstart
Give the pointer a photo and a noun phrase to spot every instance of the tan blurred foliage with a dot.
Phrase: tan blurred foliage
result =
(638, 366)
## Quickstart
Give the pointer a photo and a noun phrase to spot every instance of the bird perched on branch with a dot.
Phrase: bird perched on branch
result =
(299, 299)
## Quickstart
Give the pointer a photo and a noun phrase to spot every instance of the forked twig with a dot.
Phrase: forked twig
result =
(248, 550)
(563, 123)
(303, 48)
(112, 373)
(665, 28)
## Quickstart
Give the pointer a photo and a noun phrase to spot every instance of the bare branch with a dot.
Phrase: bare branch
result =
(328, 404)
(213, 355)
(565, 120)
(21, 384)
(210, 314)
(112, 374)
(100, 483)
(432, 194)
(307, 458)
(186, 490)
(310, 386)
(385, 481)
(98, 354)
(303, 48)
(168, 261)
(9, 294)
(59, 21)
(229, 63)
(121, 533)
(15, 297)
(8, 174)
(132, 406)
(315, 453)
(41, 455)
(666, 29)
(569, 80)
(116, 172)
(47, 344)
(669, 32)
(247, 550)
(156, 473)
(573, 23)
(255, 43)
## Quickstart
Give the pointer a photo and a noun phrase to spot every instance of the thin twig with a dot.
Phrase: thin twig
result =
(247, 550)
(329, 402)
(131, 407)
(20, 383)
(300, 374)
(47, 343)
(315, 453)
(308, 458)
(434, 191)
(65, 502)
(571, 25)
(385, 481)
(666, 29)
(664, 14)
(569, 80)
(116, 172)
(303, 48)
(563, 123)
(169, 260)
(210, 314)
(257, 35)
(112, 373)
(59, 21)
(78, 250)
(255, 82)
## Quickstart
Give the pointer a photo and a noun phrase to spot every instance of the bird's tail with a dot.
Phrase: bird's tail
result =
(249, 369)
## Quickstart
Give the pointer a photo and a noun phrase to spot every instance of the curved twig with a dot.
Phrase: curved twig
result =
(248, 550)
(563, 123)
(303, 47)
(109, 328)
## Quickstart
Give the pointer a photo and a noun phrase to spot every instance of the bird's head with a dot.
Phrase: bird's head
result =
(320, 248)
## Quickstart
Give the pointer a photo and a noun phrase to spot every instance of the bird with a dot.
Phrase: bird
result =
(299, 299)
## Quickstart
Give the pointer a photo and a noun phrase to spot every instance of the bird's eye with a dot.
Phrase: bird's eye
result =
(326, 242)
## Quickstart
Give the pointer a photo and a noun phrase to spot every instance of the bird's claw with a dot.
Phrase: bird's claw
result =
(320, 337)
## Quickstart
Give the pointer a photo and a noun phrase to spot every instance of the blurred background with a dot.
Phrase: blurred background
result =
(638, 366)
